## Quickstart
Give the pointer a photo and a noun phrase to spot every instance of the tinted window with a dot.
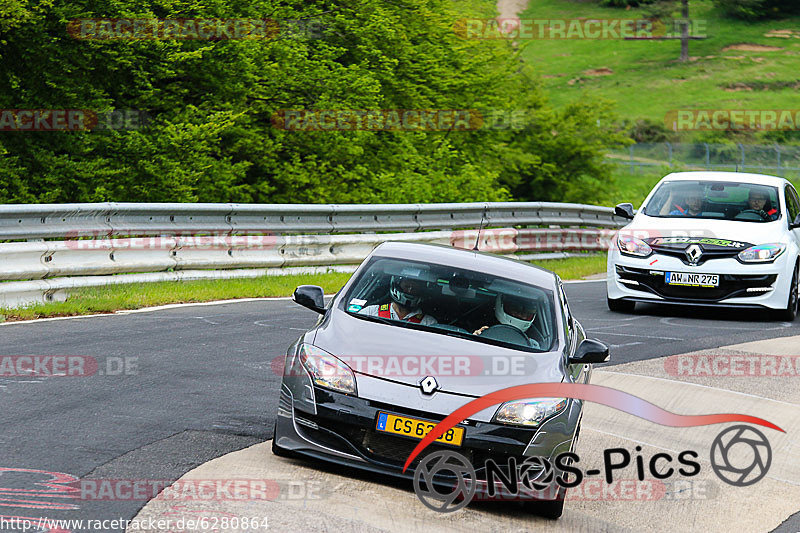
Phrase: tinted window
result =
(743, 202)
(455, 302)
(792, 203)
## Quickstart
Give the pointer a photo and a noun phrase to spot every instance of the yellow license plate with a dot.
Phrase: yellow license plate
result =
(417, 429)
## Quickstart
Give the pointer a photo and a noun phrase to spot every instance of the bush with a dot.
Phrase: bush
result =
(625, 3)
(758, 9)
(645, 130)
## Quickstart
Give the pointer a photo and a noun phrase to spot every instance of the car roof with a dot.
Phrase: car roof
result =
(735, 177)
(469, 260)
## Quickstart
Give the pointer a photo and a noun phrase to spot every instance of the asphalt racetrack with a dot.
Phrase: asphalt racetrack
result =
(199, 383)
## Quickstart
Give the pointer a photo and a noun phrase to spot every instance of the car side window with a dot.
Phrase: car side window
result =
(565, 313)
(792, 203)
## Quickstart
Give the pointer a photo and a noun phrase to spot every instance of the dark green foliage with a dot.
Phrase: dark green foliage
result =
(759, 9)
(211, 140)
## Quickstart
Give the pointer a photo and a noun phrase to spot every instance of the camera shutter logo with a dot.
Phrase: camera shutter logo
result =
(461, 475)
(734, 463)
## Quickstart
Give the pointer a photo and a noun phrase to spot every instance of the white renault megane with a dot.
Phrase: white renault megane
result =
(713, 239)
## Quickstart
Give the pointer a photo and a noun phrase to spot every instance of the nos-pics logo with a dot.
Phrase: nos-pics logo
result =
(445, 481)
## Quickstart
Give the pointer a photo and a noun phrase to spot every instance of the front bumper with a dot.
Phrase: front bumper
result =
(741, 285)
(342, 430)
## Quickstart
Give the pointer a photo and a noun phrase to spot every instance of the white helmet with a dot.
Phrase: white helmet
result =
(403, 298)
(517, 306)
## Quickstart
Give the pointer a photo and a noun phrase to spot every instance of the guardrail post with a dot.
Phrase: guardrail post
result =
(630, 151)
(741, 149)
(708, 156)
(669, 147)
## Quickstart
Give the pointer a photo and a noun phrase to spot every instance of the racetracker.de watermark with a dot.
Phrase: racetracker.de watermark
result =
(72, 120)
(307, 120)
(54, 366)
(733, 366)
(170, 242)
(733, 119)
(415, 366)
(579, 29)
(143, 29)
(198, 490)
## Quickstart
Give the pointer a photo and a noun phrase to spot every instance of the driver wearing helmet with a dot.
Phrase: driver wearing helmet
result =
(406, 294)
(512, 311)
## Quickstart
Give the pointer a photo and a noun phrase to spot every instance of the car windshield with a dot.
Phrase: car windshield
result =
(746, 202)
(450, 301)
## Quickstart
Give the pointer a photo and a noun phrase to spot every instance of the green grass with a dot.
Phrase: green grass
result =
(93, 300)
(575, 267)
(648, 80)
(111, 298)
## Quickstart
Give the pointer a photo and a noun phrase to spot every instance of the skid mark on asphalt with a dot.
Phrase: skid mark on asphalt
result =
(632, 335)
(670, 321)
(629, 319)
(265, 324)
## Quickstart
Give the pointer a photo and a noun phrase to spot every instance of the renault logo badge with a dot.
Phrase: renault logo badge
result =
(429, 385)
(693, 254)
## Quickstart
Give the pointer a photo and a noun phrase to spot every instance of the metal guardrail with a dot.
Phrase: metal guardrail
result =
(209, 241)
(49, 221)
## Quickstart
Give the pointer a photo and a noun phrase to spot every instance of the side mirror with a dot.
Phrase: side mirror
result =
(589, 351)
(310, 296)
(796, 223)
(624, 211)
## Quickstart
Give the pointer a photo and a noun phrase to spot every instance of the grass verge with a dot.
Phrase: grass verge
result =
(575, 267)
(741, 65)
(94, 300)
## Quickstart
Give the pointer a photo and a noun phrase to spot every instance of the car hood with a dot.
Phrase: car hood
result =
(646, 227)
(407, 356)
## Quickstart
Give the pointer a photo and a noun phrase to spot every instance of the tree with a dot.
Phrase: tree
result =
(211, 103)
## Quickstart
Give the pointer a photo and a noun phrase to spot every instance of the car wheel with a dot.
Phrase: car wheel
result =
(790, 313)
(621, 306)
(277, 450)
(552, 509)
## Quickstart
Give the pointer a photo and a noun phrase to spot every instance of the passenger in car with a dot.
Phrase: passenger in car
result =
(406, 295)
(694, 204)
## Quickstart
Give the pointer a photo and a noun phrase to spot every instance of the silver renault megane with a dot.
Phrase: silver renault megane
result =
(419, 331)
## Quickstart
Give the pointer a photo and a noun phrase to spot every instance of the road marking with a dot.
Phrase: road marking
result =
(626, 344)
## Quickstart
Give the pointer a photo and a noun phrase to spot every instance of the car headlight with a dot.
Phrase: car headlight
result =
(326, 370)
(633, 246)
(763, 253)
(529, 413)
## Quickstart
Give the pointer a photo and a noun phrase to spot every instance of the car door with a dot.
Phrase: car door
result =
(574, 334)
(793, 211)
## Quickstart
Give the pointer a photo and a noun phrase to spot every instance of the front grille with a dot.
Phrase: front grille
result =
(397, 449)
(730, 285)
(708, 254)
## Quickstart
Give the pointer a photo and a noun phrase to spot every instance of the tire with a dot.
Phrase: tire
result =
(621, 306)
(552, 509)
(793, 300)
